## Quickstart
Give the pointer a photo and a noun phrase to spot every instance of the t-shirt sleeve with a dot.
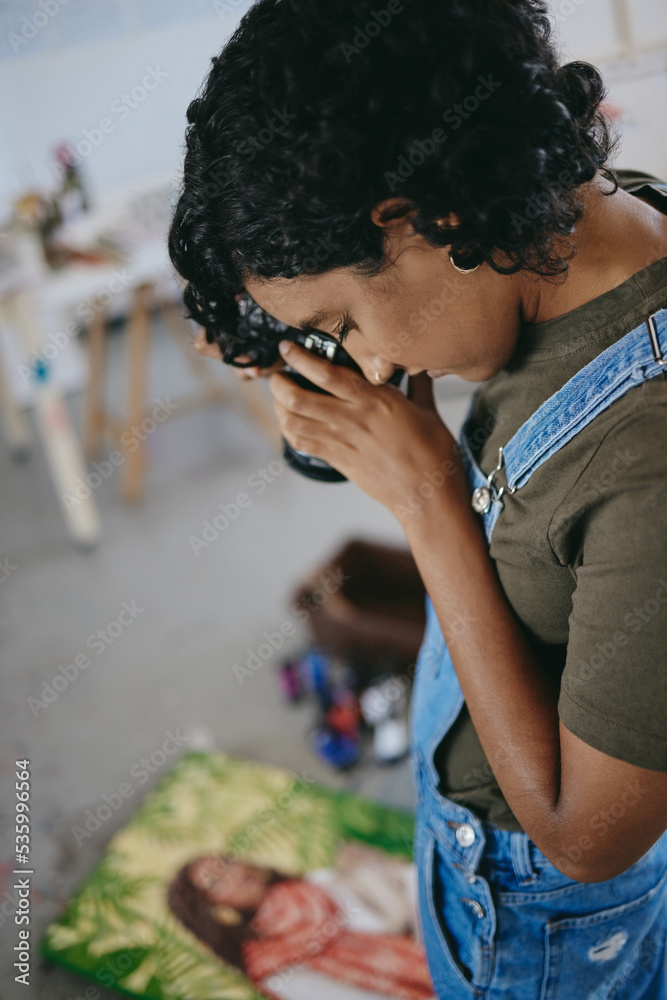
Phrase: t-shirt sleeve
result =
(614, 685)
(645, 186)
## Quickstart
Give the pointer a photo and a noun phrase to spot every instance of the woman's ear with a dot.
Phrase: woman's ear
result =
(394, 214)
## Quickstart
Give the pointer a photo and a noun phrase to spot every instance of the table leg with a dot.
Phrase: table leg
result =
(14, 423)
(138, 333)
(94, 421)
(58, 438)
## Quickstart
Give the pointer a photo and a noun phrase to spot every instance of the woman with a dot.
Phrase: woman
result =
(427, 183)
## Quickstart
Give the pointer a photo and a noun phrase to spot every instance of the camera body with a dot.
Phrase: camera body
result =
(258, 336)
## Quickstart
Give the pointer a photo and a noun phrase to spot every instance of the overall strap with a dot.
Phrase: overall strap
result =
(636, 357)
(640, 355)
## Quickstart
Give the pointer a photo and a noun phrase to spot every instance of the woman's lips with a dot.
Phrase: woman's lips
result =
(435, 372)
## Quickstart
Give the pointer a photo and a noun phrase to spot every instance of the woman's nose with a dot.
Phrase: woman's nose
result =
(376, 370)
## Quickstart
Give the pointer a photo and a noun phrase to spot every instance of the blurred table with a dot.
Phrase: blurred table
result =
(136, 282)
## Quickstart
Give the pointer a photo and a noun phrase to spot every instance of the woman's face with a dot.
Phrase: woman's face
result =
(419, 314)
(229, 882)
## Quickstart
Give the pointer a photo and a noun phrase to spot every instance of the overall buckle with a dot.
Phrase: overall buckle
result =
(655, 343)
(483, 496)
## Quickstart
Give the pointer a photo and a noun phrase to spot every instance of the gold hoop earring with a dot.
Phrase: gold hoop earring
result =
(463, 270)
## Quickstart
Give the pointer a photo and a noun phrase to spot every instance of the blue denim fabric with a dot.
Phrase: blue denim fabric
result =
(498, 919)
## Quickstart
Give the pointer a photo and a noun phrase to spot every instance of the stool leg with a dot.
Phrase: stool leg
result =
(59, 441)
(137, 356)
(94, 420)
(14, 423)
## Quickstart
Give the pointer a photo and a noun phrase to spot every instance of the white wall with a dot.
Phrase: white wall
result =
(74, 72)
(64, 66)
(600, 30)
(627, 39)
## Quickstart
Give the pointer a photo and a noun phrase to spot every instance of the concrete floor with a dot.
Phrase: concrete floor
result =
(171, 669)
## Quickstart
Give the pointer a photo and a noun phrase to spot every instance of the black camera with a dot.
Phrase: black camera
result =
(257, 336)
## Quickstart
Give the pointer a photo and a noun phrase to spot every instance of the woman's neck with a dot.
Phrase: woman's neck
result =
(617, 236)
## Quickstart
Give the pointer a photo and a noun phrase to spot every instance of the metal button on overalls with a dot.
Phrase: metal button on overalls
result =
(465, 835)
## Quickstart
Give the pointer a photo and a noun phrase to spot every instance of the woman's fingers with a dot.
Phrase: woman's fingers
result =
(255, 372)
(206, 350)
(278, 366)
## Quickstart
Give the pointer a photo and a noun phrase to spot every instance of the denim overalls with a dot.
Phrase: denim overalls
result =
(498, 919)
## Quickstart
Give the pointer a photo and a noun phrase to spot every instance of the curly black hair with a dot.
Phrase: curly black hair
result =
(317, 110)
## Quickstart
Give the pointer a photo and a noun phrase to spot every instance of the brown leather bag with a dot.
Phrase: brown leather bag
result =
(367, 605)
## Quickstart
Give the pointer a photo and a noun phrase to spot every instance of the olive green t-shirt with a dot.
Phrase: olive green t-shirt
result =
(581, 548)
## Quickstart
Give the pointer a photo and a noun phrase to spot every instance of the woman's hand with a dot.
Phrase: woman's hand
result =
(206, 350)
(396, 449)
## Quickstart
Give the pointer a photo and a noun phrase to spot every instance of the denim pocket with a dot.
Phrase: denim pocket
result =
(458, 920)
(613, 954)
